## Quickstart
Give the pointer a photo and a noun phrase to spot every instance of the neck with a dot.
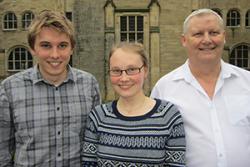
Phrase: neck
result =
(206, 70)
(207, 76)
(55, 80)
(133, 106)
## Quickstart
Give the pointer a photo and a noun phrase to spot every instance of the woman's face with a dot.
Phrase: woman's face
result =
(125, 85)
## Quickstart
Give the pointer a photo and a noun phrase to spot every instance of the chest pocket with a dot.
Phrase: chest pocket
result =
(238, 107)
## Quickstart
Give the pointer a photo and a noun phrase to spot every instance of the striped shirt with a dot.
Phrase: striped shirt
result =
(40, 124)
(154, 139)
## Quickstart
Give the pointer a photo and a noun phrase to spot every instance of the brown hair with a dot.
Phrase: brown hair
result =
(53, 19)
(134, 47)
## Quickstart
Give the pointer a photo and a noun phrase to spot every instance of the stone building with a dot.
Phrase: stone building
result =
(101, 23)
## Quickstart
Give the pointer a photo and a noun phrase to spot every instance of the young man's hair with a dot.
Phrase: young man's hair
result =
(51, 19)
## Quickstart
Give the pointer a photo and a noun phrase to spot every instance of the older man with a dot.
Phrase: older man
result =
(213, 96)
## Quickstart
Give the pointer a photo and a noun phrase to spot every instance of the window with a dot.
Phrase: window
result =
(69, 15)
(26, 19)
(10, 21)
(131, 28)
(20, 59)
(248, 18)
(240, 56)
(233, 18)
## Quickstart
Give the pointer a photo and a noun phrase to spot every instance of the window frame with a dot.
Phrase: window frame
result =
(145, 31)
(26, 21)
(231, 19)
(13, 55)
(240, 49)
(247, 19)
(7, 21)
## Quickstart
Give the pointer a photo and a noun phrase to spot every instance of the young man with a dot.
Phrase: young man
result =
(43, 109)
(212, 95)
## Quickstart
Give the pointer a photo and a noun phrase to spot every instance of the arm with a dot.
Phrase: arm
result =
(89, 146)
(7, 138)
(95, 93)
(176, 145)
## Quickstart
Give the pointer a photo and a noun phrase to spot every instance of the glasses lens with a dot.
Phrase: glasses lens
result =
(115, 72)
(132, 71)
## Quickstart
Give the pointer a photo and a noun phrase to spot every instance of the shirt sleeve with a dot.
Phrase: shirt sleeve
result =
(96, 93)
(176, 145)
(155, 92)
(7, 138)
(89, 146)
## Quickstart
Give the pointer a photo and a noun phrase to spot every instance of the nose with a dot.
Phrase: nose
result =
(54, 53)
(206, 38)
(124, 76)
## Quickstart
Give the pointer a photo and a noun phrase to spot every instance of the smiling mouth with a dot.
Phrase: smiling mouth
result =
(54, 63)
(207, 49)
(124, 86)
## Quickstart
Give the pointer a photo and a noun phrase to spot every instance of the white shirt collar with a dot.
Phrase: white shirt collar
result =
(184, 72)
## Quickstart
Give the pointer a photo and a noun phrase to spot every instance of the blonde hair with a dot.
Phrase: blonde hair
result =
(53, 19)
(134, 47)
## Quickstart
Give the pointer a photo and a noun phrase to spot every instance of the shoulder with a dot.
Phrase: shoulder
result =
(84, 78)
(19, 78)
(102, 110)
(166, 107)
(238, 70)
(171, 76)
(80, 74)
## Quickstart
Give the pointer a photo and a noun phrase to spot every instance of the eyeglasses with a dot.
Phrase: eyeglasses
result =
(129, 71)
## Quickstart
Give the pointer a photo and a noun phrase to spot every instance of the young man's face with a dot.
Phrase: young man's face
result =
(53, 50)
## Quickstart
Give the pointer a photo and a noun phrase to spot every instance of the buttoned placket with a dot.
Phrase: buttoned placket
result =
(216, 128)
(58, 115)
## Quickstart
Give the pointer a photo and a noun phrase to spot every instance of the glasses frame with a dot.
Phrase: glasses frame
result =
(126, 71)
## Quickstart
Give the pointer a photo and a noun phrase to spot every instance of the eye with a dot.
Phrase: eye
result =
(45, 45)
(116, 71)
(198, 34)
(63, 45)
(131, 69)
(214, 33)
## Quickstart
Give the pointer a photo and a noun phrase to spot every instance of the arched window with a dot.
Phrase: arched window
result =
(240, 56)
(20, 59)
(248, 18)
(10, 21)
(26, 19)
(233, 18)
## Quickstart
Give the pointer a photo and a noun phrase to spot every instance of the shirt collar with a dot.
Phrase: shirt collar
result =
(184, 72)
(36, 75)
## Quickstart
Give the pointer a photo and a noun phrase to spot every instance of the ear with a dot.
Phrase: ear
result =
(145, 72)
(32, 51)
(183, 40)
(224, 34)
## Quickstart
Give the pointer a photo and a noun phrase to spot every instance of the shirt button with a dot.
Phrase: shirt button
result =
(59, 132)
(59, 154)
(58, 108)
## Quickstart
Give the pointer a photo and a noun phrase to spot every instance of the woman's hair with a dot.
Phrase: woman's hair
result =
(201, 12)
(52, 19)
(134, 47)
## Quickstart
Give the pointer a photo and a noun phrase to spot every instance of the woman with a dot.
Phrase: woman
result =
(134, 130)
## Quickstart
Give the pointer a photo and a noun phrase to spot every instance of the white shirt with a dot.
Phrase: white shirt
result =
(217, 130)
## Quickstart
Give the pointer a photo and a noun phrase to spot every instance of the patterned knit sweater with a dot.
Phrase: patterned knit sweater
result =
(154, 139)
